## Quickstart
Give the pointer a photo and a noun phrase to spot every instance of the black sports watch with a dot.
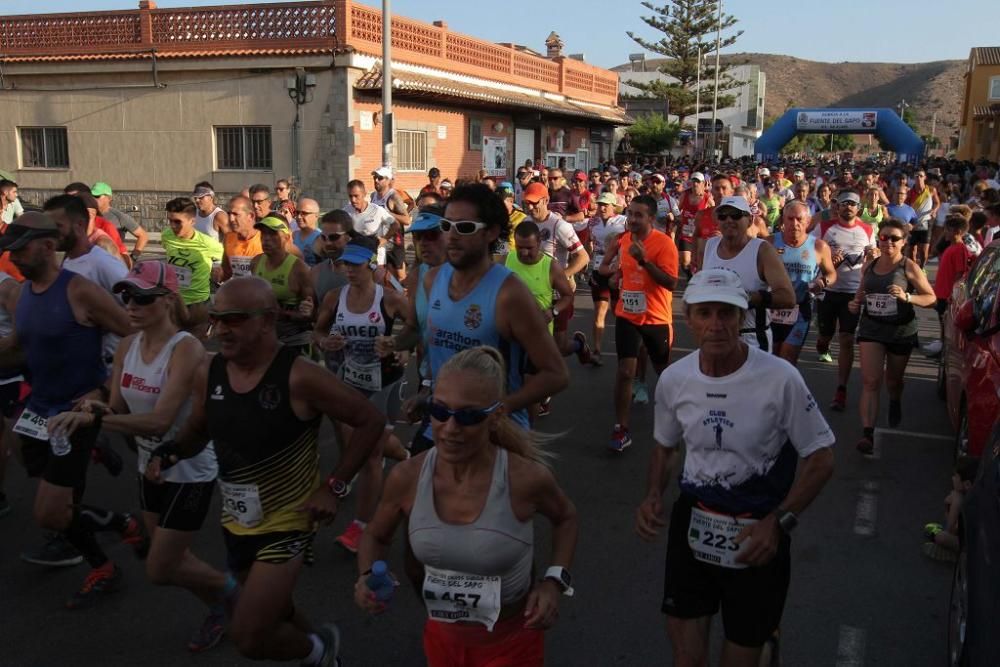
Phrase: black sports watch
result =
(786, 520)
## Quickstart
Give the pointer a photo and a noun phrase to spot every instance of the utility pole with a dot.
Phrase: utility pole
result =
(697, 103)
(387, 121)
(715, 102)
(902, 106)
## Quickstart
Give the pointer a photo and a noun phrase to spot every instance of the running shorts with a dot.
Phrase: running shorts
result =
(793, 334)
(919, 237)
(752, 599)
(656, 337)
(900, 348)
(561, 323)
(685, 244)
(510, 643)
(180, 505)
(601, 289)
(274, 548)
(67, 471)
(833, 313)
(12, 397)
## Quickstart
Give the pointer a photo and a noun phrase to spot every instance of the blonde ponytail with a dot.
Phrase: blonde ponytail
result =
(487, 363)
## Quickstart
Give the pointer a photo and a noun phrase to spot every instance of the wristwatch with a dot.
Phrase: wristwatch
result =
(562, 577)
(786, 520)
(338, 487)
(555, 312)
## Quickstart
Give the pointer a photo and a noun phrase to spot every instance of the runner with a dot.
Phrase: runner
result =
(369, 218)
(923, 198)
(474, 302)
(261, 405)
(306, 236)
(899, 209)
(810, 267)
(289, 278)
(350, 319)
(335, 232)
(123, 221)
(707, 227)
(58, 323)
(887, 332)
(197, 261)
(386, 197)
(545, 280)
(694, 200)
(150, 398)
(647, 259)
(852, 243)
(11, 379)
(605, 228)
(758, 265)
(666, 207)
(746, 420)
(243, 242)
(211, 220)
(872, 210)
(468, 506)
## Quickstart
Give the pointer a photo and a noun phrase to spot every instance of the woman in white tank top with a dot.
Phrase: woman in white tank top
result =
(152, 378)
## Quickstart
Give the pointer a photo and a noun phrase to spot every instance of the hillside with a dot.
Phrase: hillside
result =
(926, 87)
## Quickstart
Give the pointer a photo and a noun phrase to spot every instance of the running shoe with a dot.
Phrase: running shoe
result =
(826, 357)
(329, 634)
(595, 359)
(584, 354)
(545, 407)
(933, 349)
(99, 582)
(895, 413)
(931, 531)
(211, 630)
(839, 402)
(866, 445)
(4, 505)
(621, 439)
(935, 551)
(135, 536)
(105, 455)
(55, 552)
(351, 538)
(640, 393)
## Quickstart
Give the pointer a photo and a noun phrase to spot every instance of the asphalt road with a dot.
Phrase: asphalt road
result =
(861, 592)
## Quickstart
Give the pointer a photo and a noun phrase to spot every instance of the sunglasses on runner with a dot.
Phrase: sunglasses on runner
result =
(891, 238)
(464, 416)
(730, 216)
(463, 227)
(335, 236)
(234, 317)
(139, 299)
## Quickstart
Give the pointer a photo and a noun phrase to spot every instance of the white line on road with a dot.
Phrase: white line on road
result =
(915, 434)
(866, 513)
(851, 647)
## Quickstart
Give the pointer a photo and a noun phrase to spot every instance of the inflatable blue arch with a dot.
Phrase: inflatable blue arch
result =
(884, 123)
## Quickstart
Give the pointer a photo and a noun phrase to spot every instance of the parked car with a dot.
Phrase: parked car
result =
(971, 353)
(973, 640)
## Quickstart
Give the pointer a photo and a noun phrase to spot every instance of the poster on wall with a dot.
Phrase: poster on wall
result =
(825, 121)
(495, 155)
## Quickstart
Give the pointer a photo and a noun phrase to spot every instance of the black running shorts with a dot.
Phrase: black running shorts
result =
(656, 337)
(69, 470)
(274, 548)
(832, 313)
(752, 599)
(180, 505)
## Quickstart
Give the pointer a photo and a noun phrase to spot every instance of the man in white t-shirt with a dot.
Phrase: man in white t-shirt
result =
(748, 422)
(369, 219)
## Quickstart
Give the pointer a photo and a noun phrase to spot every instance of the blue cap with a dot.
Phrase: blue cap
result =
(507, 185)
(424, 222)
(356, 254)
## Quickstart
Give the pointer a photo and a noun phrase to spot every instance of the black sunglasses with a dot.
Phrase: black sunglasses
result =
(730, 216)
(140, 299)
(335, 236)
(234, 317)
(464, 416)
(892, 238)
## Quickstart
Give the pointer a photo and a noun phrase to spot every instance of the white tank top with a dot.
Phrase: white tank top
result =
(141, 384)
(206, 224)
(745, 266)
(360, 365)
(382, 200)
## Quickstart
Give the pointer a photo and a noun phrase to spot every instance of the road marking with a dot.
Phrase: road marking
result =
(851, 647)
(866, 513)
(915, 434)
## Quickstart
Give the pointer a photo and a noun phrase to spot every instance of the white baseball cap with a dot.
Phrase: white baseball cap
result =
(698, 176)
(764, 171)
(385, 172)
(739, 203)
(716, 286)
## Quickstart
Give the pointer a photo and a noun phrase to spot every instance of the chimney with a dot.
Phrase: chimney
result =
(147, 4)
(554, 46)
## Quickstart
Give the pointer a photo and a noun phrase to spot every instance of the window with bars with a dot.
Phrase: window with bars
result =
(44, 148)
(475, 134)
(243, 148)
(411, 150)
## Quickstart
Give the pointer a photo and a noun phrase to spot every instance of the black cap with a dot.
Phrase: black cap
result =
(27, 227)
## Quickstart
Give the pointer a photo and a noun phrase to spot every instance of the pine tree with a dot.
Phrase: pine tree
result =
(687, 26)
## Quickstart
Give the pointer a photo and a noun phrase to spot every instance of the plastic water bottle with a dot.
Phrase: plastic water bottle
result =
(59, 442)
(380, 583)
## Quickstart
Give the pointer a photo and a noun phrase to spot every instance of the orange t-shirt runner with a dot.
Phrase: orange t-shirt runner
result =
(642, 300)
(240, 252)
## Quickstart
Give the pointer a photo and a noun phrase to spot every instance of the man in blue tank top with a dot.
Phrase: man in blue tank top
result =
(60, 318)
(474, 302)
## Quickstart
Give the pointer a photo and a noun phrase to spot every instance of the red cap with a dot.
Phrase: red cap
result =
(150, 277)
(579, 176)
(535, 192)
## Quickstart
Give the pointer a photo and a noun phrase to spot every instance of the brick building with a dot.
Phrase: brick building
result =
(979, 135)
(153, 100)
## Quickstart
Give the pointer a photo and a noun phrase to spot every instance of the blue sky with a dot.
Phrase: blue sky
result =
(880, 31)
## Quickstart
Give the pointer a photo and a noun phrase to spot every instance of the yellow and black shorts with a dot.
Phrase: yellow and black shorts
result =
(242, 551)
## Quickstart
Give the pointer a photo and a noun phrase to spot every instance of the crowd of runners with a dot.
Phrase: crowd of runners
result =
(451, 310)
